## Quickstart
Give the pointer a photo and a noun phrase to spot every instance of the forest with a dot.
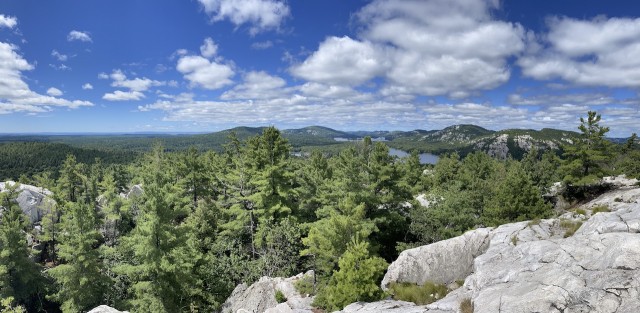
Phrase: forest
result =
(207, 221)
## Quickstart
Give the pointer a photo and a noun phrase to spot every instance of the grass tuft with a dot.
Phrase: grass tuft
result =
(420, 295)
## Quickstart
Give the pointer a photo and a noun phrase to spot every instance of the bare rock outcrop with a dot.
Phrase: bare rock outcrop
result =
(531, 266)
(261, 296)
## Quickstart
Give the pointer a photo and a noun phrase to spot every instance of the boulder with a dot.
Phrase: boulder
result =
(387, 306)
(261, 296)
(442, 262)
(34, 201)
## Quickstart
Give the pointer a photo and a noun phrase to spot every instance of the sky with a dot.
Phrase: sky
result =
(208, 65)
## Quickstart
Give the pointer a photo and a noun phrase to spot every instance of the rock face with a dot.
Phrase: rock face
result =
(106, 309)
(261, 296)
(531, 266)
(33, 201)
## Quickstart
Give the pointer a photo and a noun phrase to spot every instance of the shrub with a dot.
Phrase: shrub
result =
(466, 306)
(304, 285)
(420, 295)
(514, 240)
(280, 297)
(535, 221)
(581, 211)
(617, 199)
(601, 208)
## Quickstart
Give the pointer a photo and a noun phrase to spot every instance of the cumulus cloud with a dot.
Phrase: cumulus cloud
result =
(447, 47)
(87, 86)
(566, 98)
(55, 92)
(136, 84)
(342, 61)
(76, 35)
(257, 85)
(597, 52)
(261, 15)
(209, 48)
(203, 73)
(8, 21)
(120, 95)
(261, 45)
(15, 94)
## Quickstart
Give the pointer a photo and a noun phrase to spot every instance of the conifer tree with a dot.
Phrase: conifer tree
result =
(20, 277)
(585, 159)
(79, 277)
(357, 279)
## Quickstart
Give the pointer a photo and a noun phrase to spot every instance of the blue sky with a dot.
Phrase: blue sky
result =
(207, 65)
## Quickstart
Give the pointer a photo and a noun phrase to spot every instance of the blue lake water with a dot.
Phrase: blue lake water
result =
(425, 158)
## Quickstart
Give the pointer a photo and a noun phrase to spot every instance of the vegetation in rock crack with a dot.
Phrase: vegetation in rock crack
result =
(466, 306)
(581, 211)
(419, 294)
(280, 297)
(600, 208)
(570, 227)
(305, 285)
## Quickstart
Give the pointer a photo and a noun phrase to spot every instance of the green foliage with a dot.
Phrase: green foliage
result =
(305, 285)
(19, 277)
(581, 212)
(515, 199)
(7, 306)
(600, 208)
(280, 297)
(420, 295)
(80, 279)
(356, 280)
(585, 160)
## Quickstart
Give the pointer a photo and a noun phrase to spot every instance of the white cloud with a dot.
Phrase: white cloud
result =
(598, 52)
(8, 21)
(342, 61)
(15, 94)
(59, 56)
(103, 75)
(558, 99)
(136, 84)
(420, 47)
(87, 86)
(55, 92)
(204, 73)
(261, 15)
(79, 36)
(209, 48)
(120, 95)
(257, 85)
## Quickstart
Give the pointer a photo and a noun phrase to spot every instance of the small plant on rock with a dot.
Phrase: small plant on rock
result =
(570, 227)
(601, 208)
(420, 295)
(466, 306)
(304, 285)
(280, 297)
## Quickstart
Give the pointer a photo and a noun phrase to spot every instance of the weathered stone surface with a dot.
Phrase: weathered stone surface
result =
(106, 309)
(261, 296)
(442, 262)
(387, 306)
(33, 201)
(531, 267)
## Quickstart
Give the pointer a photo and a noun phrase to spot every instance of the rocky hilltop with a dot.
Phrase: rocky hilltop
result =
(587, 260)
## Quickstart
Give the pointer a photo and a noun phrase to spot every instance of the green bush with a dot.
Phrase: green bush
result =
(420, 295)
(601, 208)
(581, 211)
(466, 306)
(280, 297)
(304, 285)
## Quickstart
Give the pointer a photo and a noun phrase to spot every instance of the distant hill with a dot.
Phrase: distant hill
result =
(462, 138)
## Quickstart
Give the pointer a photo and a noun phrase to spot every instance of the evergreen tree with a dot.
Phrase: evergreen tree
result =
(20, 277)
(515, 199)
(80, 278)
(585, 159)
(162, 267)
(357, 279)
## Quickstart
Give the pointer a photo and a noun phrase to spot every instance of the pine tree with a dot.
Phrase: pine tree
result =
(357, 279)
(20, 277)
(80, 278)
(516, 199)
(585, 159)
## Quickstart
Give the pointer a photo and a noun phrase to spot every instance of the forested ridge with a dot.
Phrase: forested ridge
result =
(207, 221)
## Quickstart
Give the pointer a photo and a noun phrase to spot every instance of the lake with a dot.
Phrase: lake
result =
(425, 158)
